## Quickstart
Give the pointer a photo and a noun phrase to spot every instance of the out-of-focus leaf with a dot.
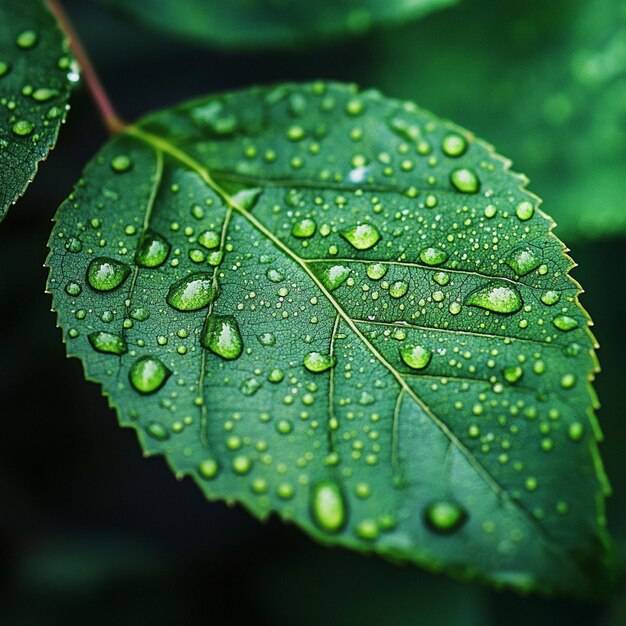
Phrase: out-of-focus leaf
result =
(545, 81)
(36, 75)
(270, 23)
(336, 307)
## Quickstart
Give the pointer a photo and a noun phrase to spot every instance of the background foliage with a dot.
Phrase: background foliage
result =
(96, 531)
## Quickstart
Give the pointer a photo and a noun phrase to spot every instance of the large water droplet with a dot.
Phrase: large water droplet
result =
(23, 128)
(328, 507)
(377, 270)
(192, 293)
(334, 276)
(148, 374)
(398, 288)
(496, 297)
(121, 163)
(108, 343)
(433, 256)
(524, 260)
(221, 336)
(304, 228)
(565, 323)
(361, 236)
(524, 210)
(104, 274)
(550, 297)
(210, 239)
(444, 516)
(465, 180)
(454, 145)
(152, 251)
(416, 357)
(27, 39)
(318, 362)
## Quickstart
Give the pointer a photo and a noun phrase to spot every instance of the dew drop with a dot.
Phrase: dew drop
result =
(274, 276)
(513, 374)
(210, 239)
(565, 323)
(376, 271)
(550, 297)
(416, 357)
(361, 236)
(73, 289)
(22, 128)
(317, 362)
(398, 289)
(496, 297)
(5, 68)
(104, 274)
(221, 336)
(192, 293)
(334, 276)
(304, 228)
(44, 94)
(433, 256)
(267, 339)
(27, 39)
(523, 260)
(152, 251)
(107, 343)
(444, 516)
(441, 278)
(524, 210)
(328, 507)
(121, 163)
(157, 431)
(208, 469)
(465, 180)
(148, 374)
(454, 145)
(576, 431)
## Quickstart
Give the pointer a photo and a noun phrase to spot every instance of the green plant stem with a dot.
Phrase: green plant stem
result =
(111, 120)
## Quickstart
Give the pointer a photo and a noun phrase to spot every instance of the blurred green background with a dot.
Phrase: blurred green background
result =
(95, 534)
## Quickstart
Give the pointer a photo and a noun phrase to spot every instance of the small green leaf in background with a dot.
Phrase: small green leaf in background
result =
(36, 75)
(270, 24)
(546, 81)
(336, 307)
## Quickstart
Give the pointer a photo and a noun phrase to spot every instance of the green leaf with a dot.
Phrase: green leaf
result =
(269, 24)
(545, 80)
(334, 306)
(36, 75)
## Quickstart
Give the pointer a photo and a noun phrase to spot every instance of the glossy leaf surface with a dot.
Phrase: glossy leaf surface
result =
(36, 75)
(270, 24)
(330, 305)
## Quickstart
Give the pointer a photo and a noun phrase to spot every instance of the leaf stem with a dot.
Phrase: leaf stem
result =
(111, 120)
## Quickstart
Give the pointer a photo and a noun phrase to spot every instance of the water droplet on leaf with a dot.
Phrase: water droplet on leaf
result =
(416, 357)
(152, 251)
(496, 297)
(221, 336)
(465, 180)
(318, 362)
(328, 507)
(107, 343)
(148, 374)
(361, 236)
(444, 516)
(192, 293)
(104, 274)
